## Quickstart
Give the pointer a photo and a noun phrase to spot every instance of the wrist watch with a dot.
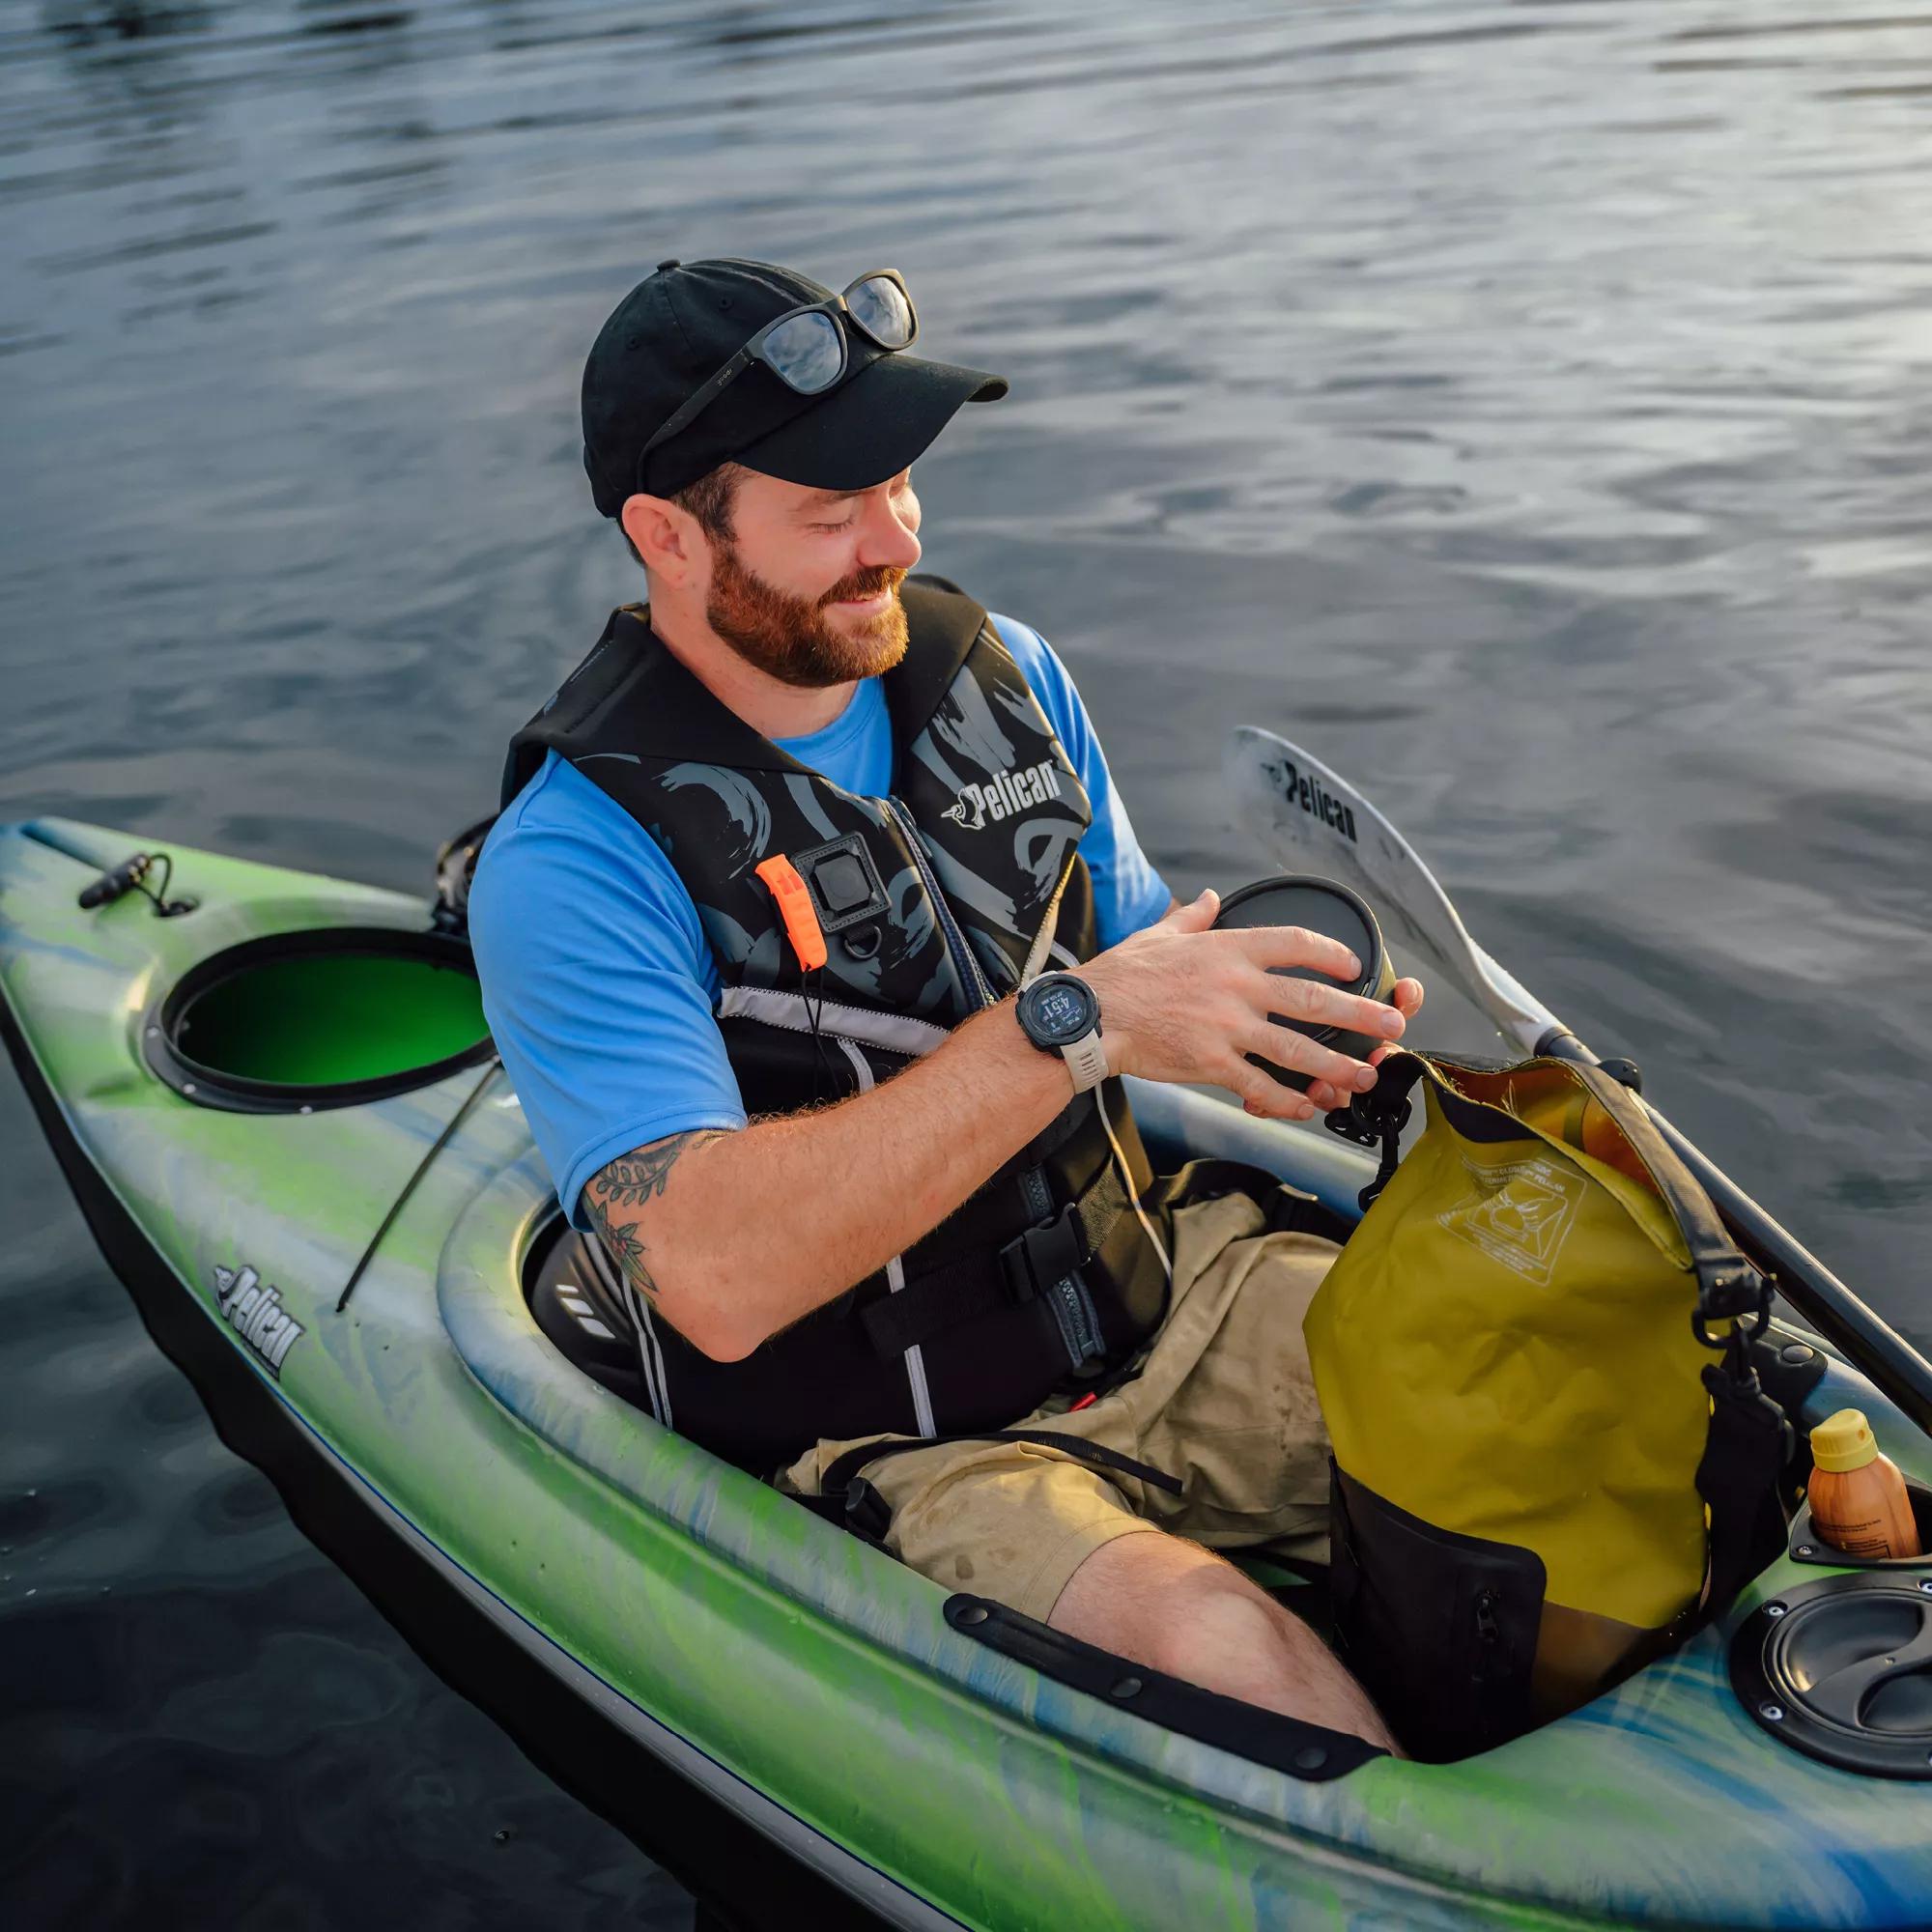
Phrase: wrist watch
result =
(1060, 1012)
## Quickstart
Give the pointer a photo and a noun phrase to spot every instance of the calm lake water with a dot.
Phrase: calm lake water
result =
(1526, 405)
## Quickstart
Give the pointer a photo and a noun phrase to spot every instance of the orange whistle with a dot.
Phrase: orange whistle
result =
(801, 922)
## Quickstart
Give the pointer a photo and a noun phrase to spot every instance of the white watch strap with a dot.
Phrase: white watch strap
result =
(1086, 1059)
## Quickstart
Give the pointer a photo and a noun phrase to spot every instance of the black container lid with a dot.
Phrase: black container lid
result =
(1317, 905)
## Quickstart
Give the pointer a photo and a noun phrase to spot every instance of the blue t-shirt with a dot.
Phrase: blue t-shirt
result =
(598, 983)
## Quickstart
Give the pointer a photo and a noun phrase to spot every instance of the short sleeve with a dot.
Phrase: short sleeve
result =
(597, 982)
(1128, 893)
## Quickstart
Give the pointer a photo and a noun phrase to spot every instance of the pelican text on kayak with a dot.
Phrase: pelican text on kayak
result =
(254, 1310)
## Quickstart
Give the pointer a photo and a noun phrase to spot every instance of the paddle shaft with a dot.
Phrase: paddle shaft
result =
(1896, 1368)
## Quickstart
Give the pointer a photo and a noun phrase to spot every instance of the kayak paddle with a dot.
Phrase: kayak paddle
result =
(1313, 820)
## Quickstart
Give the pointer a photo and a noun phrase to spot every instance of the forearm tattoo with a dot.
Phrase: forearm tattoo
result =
(640, 1176)
(633, 1181)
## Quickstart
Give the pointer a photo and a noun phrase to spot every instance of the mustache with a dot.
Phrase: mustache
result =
(864, 583)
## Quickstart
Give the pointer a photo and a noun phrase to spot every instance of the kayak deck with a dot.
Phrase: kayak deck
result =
(801, 1676)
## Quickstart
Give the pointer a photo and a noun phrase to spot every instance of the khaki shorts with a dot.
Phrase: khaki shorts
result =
(1224, 1401)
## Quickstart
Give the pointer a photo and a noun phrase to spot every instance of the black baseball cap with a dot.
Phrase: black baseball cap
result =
(682, 323)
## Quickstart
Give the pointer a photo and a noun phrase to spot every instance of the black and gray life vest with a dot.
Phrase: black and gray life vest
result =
(935, 902)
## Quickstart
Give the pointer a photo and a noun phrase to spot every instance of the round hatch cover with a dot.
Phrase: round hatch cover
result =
(1842, 1669)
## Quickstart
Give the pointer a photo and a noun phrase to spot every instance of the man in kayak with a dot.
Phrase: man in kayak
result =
(761, 932)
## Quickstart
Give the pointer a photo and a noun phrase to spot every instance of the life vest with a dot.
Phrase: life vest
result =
(934, 902)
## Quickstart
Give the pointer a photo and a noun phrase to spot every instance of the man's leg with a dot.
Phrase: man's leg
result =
(1180, 1608)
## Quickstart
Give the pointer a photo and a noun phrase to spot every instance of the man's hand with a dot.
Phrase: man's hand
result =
(1182, 1003)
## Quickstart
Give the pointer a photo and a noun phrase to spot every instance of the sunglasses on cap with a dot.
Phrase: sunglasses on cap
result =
(806, 348)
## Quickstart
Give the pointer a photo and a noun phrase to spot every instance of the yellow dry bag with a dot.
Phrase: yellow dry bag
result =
(1552, 1456)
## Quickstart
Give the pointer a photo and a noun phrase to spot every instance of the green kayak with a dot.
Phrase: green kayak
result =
(242, 1092)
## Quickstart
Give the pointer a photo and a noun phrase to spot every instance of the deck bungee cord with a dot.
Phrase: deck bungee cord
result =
(402, 1200)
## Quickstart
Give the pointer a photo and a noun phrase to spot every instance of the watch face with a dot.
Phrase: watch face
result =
(1059, 1012)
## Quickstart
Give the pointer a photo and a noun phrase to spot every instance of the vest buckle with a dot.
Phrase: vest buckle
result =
(1036, 1260)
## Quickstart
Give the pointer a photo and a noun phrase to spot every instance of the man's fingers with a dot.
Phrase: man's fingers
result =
(1327, 1005)
(1295, 946)
(1407, 996)
(1299, 1054)
(1263, 1095)
(1196, 915)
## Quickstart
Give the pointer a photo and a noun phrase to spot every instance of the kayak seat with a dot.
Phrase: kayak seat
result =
(571, 1301)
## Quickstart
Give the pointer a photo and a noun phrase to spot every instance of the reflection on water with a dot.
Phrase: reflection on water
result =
(1523, 403)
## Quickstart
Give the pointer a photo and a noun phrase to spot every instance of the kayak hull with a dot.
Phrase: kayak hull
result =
(803, 1682)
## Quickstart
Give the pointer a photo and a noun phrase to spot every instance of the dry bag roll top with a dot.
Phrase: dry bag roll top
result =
(1531, 1358)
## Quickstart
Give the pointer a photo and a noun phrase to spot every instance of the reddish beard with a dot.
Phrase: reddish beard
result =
(791, 639)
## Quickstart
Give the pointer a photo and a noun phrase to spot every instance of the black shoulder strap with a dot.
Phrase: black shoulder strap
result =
(1745, 1452)
(846, 1498)
(631, 697)
(943, 624)
(581, 695)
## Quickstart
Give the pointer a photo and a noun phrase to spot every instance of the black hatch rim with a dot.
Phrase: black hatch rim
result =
(212, 1087)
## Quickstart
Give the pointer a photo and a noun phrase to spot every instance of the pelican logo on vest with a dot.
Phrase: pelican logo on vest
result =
(254, 1310)
(1003, 794)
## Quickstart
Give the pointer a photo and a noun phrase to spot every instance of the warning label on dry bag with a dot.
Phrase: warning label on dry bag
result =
(1519, 1213)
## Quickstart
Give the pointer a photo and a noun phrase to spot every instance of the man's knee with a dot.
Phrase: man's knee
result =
(1213, 1613)
(1182, 1611)
(1167, 1602)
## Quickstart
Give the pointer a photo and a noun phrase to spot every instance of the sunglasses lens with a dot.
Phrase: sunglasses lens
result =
(807, 351)
(879, 306)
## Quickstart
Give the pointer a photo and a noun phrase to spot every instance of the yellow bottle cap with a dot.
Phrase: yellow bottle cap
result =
(1843, 1441)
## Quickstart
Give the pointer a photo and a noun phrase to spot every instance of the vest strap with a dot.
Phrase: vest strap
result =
(1028, 1266)
(772, 1005)
(839, 1479)
(846, 1498)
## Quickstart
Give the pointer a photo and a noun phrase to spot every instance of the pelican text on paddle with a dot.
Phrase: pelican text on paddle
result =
(1313, 798)
(254, 1310)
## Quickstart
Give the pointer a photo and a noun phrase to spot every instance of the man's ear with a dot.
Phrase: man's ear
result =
(668, 539)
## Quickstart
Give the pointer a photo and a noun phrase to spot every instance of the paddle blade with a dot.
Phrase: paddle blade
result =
(1310, 819)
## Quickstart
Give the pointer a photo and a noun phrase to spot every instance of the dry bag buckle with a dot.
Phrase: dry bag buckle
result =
(1729, 1294)
(1032, 1263)
(1365, 1123)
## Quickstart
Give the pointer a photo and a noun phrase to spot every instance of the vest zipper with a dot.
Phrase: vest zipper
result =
(1073, 1310)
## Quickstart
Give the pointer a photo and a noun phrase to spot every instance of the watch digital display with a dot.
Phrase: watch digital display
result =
(1058, 1012)
(1061, 1012)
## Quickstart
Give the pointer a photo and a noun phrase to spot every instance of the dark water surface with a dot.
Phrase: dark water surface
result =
(1526, 405)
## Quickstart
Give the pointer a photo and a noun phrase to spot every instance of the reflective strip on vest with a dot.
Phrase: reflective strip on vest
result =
(891, 1032)
(915, 1356)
